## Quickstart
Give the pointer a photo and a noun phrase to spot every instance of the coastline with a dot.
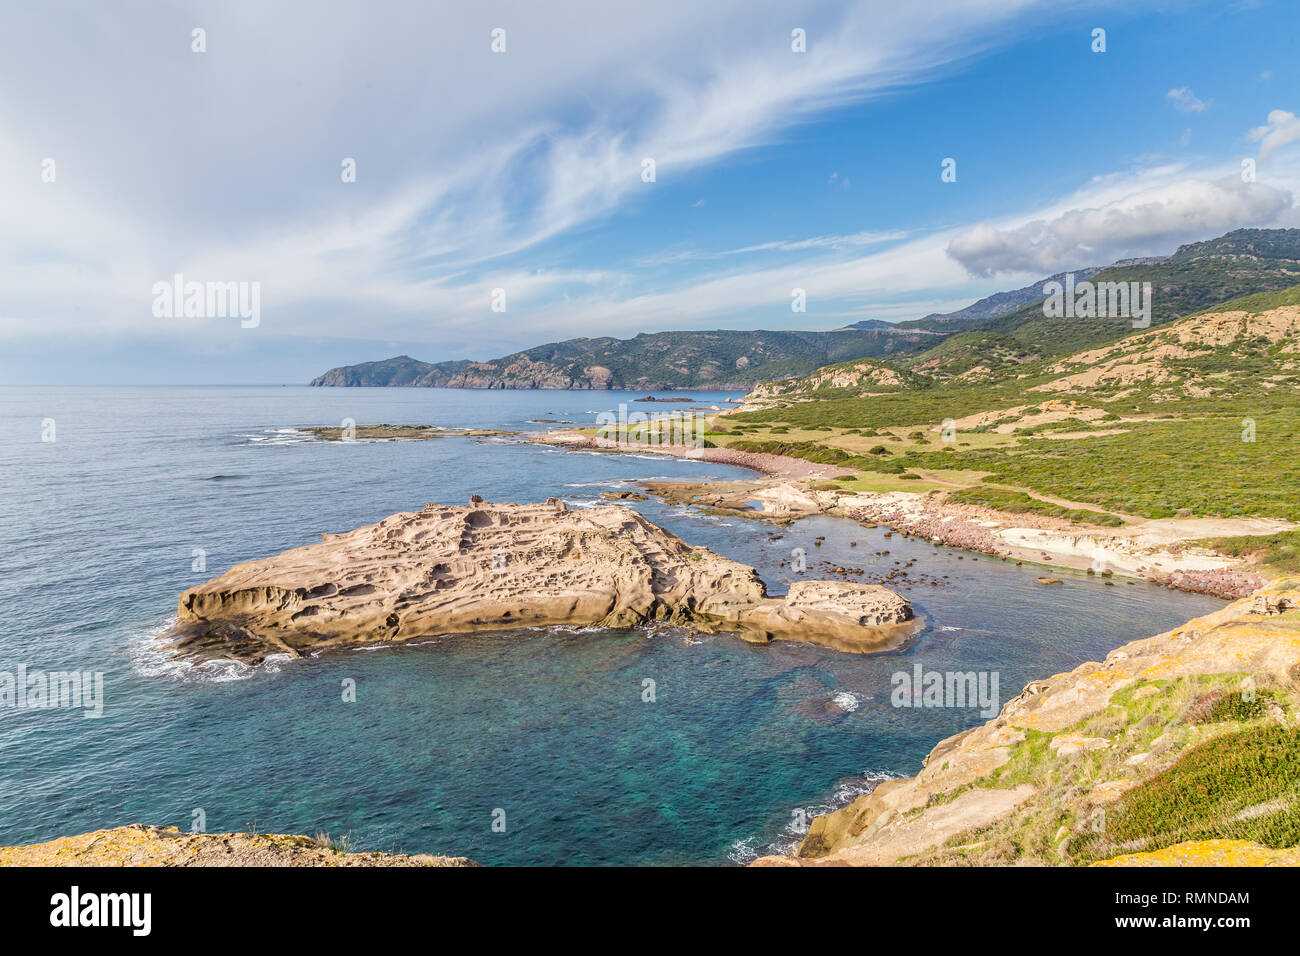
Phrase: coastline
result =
(1155, 550)
(782, 489)
(1108, 737)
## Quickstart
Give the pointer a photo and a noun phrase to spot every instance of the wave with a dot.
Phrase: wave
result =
(277, 436)
(608, 482)
(845, 701)
(581, 503)
(154, 659)
(787, 841)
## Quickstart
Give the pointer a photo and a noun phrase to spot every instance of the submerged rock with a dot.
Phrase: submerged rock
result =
(450, 570)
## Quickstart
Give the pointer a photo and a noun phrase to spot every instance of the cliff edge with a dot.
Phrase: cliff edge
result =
(1179, 749)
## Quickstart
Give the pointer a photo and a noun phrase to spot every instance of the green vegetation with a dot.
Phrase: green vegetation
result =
(1019, 502)
(1216, 472)
(1262, 301)
(1238, 786)
(1157, 424)
(1280, 551)
(1229, 769)
(822, 454)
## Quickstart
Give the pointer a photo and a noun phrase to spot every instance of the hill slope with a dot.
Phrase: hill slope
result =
(1214, 397)
(722, 359)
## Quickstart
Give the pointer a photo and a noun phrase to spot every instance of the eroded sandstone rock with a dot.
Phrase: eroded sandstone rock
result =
(448, 570)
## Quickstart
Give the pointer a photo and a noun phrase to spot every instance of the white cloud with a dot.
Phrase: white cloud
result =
(225, 165)
(1146, 222)
(1283, 127)
(1185, 101)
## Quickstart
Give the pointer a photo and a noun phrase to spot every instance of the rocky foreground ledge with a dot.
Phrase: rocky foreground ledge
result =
(455, 570)
(1181, 749)
(138, 845)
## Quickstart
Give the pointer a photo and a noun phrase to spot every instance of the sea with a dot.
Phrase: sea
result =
(567, 746)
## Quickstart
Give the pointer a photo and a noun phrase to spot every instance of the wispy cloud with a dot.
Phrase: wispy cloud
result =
(1283, 127)
(1185, 101)
(853, 241)
(225, 165)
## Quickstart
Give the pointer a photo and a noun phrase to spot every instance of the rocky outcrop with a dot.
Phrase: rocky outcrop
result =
(1076, 743)
(138, 845)
(449, 570)
(1164, 550)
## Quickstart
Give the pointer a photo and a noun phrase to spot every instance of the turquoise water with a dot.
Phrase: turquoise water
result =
(97, 533)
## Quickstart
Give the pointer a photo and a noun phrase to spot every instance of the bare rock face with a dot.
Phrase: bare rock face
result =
(450, 570)
(850, 617)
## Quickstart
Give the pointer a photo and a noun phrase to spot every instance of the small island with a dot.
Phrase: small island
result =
(454, 570)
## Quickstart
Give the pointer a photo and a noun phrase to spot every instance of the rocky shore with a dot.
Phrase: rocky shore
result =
(1158, 550)
(1155, 551)
(1104, 764)
(138, 845)
(495, 566)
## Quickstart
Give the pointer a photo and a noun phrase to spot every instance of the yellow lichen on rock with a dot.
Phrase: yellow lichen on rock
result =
(138, 845)
(1209, 853)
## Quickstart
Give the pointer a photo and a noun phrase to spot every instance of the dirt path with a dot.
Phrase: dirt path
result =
(1036, 495)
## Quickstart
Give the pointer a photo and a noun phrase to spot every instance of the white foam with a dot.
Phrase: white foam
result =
(845, 701)
(749, 849)
(155, 659)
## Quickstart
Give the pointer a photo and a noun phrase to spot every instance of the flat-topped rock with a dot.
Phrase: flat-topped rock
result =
(452, 570)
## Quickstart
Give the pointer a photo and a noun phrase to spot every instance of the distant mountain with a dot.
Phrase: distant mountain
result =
(991, 306)
(720, 359)
(1000, 331)
(1248, 243)
(869, 324)
(1198, 277)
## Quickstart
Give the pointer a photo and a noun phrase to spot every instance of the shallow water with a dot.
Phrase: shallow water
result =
(98, 531)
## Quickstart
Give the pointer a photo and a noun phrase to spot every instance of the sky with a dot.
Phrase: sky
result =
(216, 140)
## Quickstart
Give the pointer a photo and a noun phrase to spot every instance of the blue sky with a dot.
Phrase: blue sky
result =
(521, 170)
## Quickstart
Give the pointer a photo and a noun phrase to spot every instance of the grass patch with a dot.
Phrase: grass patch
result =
(1281, 550)
(1261, 301)
(1240, 786)
(1018, 502)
